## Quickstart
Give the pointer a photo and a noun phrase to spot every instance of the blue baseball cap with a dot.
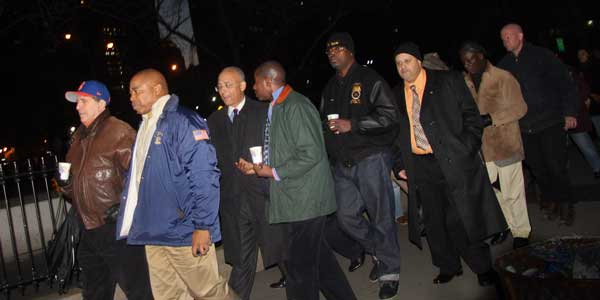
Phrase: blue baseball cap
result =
(91, 88)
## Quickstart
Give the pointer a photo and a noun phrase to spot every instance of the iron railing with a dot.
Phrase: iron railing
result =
(27, 222)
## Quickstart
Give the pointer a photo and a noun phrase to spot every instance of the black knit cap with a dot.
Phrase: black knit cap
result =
(471, 46)
(409, 48)
(341, 39)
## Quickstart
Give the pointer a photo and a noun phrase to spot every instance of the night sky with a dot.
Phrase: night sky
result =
(37, 70)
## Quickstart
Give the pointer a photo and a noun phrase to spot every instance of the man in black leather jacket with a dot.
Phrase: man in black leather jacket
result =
(358, 142)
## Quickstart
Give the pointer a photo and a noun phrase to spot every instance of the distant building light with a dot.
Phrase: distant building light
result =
(307, 81)
(214, 98)
(110, 45)
(82, 2)
(590, 23)
(67, 36)
(72, 129)
(301, 3)
(560, 44)
(197, 107)
(45, 141)
(174, 67)
(5, 149)
(0, 150)
(220, 107)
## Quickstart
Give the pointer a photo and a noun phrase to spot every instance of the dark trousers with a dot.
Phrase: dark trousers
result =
(340, 241)
(242, 275)
(106, 261)
(366, 185)
(312, 266)
(446, 235)
(546, 157)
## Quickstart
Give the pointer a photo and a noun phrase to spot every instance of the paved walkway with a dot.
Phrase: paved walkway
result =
(417, 271)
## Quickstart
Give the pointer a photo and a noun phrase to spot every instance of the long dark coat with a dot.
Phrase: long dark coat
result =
(452, 124)
(233, 141)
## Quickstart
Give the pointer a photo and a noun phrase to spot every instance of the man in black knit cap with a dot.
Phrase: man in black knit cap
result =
(360, 123)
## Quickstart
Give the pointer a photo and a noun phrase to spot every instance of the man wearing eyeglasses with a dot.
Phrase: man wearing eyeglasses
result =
(360, 118)
(244, 199)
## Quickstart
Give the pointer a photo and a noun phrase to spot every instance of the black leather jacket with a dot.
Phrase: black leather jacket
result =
(363, 97)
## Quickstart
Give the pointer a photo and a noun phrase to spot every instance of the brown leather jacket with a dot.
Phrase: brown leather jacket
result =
(99, 156)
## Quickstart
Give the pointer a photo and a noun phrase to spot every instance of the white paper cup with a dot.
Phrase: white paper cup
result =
(256, 153)
(63, 169)
(333, 116)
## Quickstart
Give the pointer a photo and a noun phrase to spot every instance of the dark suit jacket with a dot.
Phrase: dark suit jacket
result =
(452, 124)
(233, 141)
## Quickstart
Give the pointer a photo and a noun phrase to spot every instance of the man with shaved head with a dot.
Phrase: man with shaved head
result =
(551, 97)
(171, 198)
(301, 186)
(244, 199)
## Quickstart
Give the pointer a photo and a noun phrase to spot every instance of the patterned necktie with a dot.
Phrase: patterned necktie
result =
(420, 138)
(266, 142)
(233, 115)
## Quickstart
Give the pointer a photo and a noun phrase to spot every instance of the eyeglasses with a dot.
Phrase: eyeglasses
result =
(334, 50)
(226, 85)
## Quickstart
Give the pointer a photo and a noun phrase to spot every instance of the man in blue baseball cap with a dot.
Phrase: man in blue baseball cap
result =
(99, 155)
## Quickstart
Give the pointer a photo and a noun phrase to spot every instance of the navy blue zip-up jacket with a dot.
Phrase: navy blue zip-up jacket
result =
(179, 187)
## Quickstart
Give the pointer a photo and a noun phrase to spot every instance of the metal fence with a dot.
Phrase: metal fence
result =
(29, 215)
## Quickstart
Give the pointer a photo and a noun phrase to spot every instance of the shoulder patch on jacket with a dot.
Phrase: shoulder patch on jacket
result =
(200, 134)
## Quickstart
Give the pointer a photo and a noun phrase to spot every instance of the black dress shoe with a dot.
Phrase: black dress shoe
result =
(356, 262)
(279, 284)
(519, 242)
(388, 290)
(488, 278)
(551, 212)
(499, 238)
(445, 278)
(374, 274)
(566, 214)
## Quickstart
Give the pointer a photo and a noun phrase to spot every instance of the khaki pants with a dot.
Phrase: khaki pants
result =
(177, 275)
(511, 197)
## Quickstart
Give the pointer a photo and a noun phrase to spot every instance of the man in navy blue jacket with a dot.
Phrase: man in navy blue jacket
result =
(552, 108)
(171, 198)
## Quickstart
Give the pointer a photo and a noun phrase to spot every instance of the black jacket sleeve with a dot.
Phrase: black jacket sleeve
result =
(384, 115)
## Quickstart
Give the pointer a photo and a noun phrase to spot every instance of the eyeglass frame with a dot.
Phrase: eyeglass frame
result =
(227, 85)
(334, 50)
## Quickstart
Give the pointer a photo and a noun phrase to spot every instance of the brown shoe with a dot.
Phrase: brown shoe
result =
(402, 220)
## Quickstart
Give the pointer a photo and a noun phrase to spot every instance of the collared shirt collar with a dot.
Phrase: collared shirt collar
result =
(157, 108)
(276, 93)
(239, 106)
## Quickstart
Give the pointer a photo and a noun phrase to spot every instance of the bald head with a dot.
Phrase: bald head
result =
(512, 38)
(513, 27)
(231, 85)
(272, 70)
(145, 88)
(268, 77)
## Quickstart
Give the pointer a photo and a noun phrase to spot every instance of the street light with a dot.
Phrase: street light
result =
(110, 45)
(67, 36)
(174, 67)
